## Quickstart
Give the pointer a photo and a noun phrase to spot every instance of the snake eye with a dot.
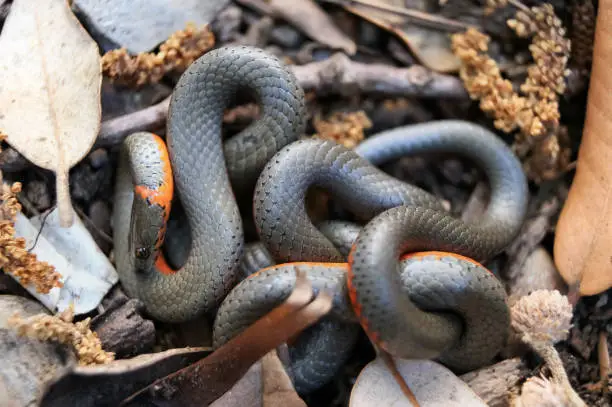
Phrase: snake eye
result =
(143, 253)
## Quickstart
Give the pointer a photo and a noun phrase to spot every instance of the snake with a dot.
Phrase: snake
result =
(412, 278)
(193, 162)
(381, 285)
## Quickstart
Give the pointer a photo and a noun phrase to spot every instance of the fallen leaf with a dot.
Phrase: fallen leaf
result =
(431, 383)
(246, 392)
(430, 46)
(49, 89)
(86, 273)
(205, 381)
(265, 384)
(310, 18)
(27, 363)
(107, 385)
(583, 238)
(278, 390)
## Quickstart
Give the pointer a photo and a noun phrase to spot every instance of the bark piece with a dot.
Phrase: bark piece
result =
(493, 383)
(122, 329)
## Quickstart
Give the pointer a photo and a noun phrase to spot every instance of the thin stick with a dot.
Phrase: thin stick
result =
(604, 360)
(399, 378)
(419, 16)
(519, 5)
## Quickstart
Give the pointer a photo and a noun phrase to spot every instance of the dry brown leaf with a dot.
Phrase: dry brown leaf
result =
(583, 240)
(431, 46)
(278, 391)
(246, 392)
(49, 89)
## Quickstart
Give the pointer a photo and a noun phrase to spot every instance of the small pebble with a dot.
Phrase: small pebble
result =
(286, 36)
(98, 158)
(37, 193)
(226, 25)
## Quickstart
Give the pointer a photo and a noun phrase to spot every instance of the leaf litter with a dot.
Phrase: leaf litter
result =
(346, 55)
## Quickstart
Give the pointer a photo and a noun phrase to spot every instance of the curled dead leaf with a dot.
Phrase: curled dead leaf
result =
(310, 18)
(49, 89)
(431, 46)
(584, 233)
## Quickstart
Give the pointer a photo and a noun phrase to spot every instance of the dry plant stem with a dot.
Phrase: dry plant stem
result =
(553, 361)
(604, 360)
(14, 258)
(418, 17)
(93, 226)
(64, 203)
(519, 5)
(340, 75)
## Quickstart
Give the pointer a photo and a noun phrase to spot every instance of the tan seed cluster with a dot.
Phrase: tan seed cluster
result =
(342, 127)
(535, 111)
(175, 55)
(59, 328)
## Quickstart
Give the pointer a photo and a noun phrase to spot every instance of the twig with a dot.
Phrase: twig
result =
(418, 17)
(86, 219)
(25, 202)
(340, 75)
(113, 131)
(519, 5)
(604, 360)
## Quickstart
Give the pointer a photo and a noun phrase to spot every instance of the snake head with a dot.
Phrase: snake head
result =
(147, 233)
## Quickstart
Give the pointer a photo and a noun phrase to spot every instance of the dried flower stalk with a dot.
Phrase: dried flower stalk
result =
(60, 328)
(583, 35)
(342, 127)
(542, 319)
(14, 258)
(175, 55)
(535, 112)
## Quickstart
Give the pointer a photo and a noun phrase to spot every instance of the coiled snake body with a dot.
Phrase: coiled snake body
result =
(461, 317)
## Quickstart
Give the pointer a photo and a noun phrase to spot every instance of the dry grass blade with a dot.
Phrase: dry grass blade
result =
(205, 381)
